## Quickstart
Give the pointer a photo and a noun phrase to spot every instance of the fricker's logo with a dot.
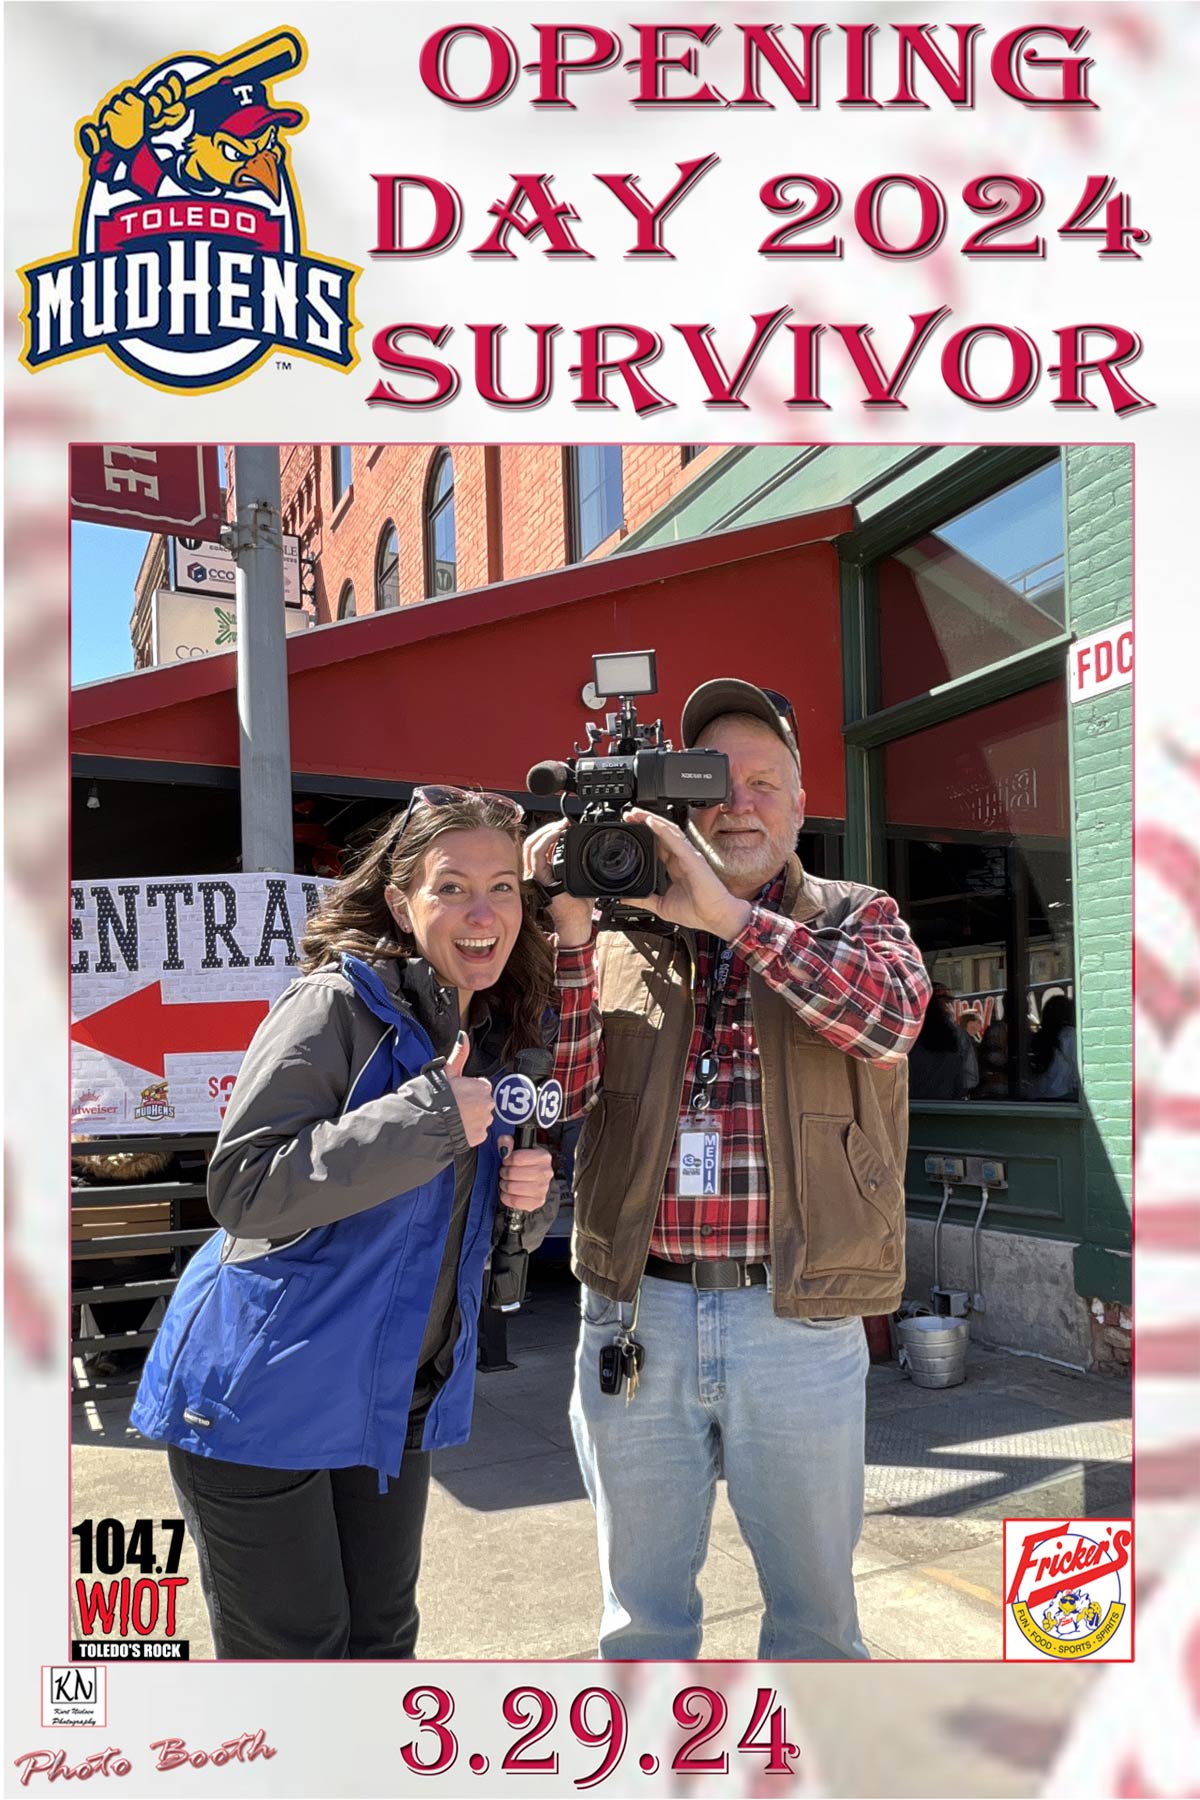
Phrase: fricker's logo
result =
(1069, 1589)
(189, 266)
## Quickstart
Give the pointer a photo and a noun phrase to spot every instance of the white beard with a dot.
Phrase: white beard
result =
(756, 861)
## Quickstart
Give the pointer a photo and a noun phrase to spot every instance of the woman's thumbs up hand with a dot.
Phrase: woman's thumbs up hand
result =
(472, 1096)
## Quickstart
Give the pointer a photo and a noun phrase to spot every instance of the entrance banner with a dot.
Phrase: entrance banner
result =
(170, 978)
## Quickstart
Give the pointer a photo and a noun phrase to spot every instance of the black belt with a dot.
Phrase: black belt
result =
(711, 1275)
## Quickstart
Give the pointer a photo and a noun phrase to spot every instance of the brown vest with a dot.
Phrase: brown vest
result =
(836, 1128)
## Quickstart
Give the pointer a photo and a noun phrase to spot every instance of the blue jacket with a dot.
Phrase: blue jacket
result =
(304, 1355)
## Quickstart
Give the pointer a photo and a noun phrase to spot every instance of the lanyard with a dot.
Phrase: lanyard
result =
(707, 1064)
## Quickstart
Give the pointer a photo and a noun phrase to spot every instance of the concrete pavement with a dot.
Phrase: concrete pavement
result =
(510, 1562)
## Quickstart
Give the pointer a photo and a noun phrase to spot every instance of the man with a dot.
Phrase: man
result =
(739, 1200)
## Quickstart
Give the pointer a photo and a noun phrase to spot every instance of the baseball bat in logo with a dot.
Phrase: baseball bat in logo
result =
(189, 265)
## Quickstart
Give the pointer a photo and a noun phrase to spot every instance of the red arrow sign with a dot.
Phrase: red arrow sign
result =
(142, 1030)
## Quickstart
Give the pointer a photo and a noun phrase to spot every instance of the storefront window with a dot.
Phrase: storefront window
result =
(977, 826)
(978, 588)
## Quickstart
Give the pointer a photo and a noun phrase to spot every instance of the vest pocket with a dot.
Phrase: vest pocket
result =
(852, 1203)
(601, 1179)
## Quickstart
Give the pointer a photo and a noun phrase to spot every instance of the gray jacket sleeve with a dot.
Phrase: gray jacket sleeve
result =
(289, 1158)
(535, 1226)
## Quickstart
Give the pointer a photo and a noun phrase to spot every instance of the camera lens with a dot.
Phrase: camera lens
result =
(613, 861)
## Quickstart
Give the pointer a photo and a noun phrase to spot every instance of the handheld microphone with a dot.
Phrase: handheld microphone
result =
(527, 1100)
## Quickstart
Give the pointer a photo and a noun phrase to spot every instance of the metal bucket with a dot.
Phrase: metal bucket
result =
(934, 1350)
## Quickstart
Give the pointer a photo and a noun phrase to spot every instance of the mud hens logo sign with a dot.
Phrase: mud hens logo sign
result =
(189, 266)
(1069, 1589)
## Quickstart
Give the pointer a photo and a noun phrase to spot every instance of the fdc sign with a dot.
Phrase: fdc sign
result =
(1102, 662)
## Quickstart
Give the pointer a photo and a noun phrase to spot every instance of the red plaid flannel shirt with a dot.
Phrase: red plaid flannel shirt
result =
(861, 985)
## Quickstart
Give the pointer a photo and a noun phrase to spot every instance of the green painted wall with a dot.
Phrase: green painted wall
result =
(1098, 507)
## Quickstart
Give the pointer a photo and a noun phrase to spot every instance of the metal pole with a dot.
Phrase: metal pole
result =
(264, 739)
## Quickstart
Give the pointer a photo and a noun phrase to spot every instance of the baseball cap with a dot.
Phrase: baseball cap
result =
(241, 108)
(713, 699)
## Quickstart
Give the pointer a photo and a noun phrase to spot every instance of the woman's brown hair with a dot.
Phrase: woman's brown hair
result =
(354, 919)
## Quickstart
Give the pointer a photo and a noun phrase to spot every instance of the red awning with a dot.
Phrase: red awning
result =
(477, 687)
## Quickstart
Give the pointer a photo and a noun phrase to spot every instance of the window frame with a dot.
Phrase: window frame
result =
(389, 526)
(575, 551)
(980, 476)
(1042, 1134)
(338, 488)
(347, 593)
(431, 509)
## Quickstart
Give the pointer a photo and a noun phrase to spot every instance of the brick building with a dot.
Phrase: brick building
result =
(389, 525)
(384, 525)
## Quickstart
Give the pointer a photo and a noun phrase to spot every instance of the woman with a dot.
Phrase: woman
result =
(320, 1348)
(1054, 1072)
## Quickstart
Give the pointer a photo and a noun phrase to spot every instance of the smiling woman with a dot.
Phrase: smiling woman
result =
(320, 1347)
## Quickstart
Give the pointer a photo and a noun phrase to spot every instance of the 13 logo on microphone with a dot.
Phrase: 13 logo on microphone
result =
(517, 1100)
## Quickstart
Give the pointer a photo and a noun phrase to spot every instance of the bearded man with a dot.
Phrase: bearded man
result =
(739, 1199)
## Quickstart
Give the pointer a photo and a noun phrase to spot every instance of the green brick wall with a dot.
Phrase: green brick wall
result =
(1098, 504)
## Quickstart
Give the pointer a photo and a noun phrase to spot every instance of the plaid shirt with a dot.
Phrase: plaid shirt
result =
(862, 986)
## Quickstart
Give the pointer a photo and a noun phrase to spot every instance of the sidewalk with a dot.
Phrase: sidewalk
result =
(944, 1466)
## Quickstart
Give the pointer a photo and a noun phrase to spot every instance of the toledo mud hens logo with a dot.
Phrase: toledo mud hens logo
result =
(155, 1103)
(189, 264)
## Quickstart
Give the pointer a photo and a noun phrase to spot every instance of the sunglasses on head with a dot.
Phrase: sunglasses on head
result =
(786, 711)
(498, 806)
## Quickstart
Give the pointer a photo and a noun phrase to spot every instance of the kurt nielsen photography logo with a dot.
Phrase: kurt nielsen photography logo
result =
(73, 1695)
(1069, 1589)
(189, 266)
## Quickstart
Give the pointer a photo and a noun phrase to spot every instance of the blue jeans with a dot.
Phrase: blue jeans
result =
(775, 1405)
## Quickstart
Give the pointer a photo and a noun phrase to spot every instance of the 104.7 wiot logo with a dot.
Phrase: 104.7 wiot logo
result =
(1068, 1589)
(189, 265)
(132, 1612)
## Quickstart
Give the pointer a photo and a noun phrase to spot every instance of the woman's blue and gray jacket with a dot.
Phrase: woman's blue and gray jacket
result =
(292, 1339)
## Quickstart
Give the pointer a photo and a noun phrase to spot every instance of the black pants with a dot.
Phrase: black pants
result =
(313, 1563)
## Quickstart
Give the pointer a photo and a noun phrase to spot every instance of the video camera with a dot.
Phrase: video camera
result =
(601, 855)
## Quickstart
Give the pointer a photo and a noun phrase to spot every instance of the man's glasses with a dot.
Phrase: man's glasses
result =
(496, 808)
